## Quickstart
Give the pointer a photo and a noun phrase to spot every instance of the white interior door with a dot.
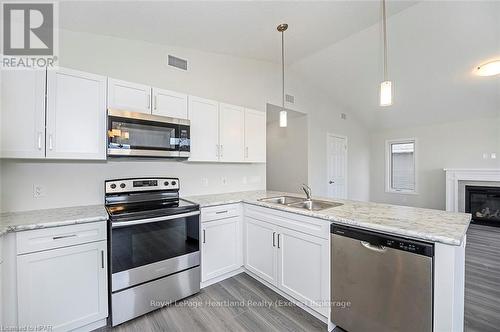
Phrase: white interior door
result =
(336, 166)
(204, 117)
(232, 133)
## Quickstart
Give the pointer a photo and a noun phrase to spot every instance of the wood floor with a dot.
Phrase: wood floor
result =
(482, 279)
(225, 305)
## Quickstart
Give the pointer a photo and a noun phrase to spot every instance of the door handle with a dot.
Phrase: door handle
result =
(148, 101)
(204, 238)
(217, 150)
(221, 150)
(102, 259)
(63, 237)
(39, 141)
(373, 247)
(279, 241)
(156, 102)
(274, 243)
(331, 182)
(246, 152)
(50, 142)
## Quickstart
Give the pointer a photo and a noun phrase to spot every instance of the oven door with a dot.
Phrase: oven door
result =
(138, 134)
(143, 250)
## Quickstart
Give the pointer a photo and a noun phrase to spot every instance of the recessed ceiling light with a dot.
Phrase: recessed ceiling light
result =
(491, 68)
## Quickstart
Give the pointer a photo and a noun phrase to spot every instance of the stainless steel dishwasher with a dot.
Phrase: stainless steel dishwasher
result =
(380, 282)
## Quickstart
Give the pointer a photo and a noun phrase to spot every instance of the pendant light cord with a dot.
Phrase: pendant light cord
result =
(385, 39)
(283, 70)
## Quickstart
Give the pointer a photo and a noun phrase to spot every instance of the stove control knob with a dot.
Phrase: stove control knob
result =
(122, 185)
(174, 183)
(165, 183)
(113, 186)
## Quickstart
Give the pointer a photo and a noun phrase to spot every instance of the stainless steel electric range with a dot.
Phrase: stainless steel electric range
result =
(154, 245)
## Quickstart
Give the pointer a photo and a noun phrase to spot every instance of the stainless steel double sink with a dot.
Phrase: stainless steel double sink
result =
(300, 203)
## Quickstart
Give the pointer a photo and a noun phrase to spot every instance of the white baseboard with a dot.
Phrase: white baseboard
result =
(92, 326)
(221, 277)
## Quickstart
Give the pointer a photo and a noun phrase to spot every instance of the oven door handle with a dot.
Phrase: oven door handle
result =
(150, 220)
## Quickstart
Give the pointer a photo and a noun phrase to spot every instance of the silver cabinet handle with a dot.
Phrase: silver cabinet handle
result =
(217, 150)
(156, 102)
(63, 237)
(102, 259)
(204, 237)
(279, 241)
(39, 141)
(246, 152)
(148, 101)
(50, 142)
(119, 224)
(221, 212)
(274, 242)
(372, 247)
(221, 150)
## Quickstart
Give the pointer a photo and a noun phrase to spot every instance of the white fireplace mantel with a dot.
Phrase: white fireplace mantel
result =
(454, 175)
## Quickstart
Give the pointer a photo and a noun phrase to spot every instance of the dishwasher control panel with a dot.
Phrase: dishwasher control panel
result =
(385, 240)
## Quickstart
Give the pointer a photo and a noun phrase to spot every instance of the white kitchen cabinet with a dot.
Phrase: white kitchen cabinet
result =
(129, 96)
(65, 288)
(23, 114)
(204, 117)
(255, 136)
(221, 247)
(231, 133)
(76, 115)
(303, 268)
(170, 103)
(260, 249)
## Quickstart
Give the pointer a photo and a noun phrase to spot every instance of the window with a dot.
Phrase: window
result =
(400, 166)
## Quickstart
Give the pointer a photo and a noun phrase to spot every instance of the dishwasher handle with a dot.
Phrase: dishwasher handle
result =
(373, 247)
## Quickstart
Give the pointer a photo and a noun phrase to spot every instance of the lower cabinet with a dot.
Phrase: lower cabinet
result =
(295, 262)
(65, 288)
(221, 249)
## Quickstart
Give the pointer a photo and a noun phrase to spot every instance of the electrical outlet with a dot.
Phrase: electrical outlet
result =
(493, 155)
(38, 191)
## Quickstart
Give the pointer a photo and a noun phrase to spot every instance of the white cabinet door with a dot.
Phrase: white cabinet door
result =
(170, 103)
(76, 115)
(232, 133)
(23, 114)
(65, 288)
(260, 249)
(255, 136)
(204, 117)
(221, 247)
(129, 96)
(303, 268)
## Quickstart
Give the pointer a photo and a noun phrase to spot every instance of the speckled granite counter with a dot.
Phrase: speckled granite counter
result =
(25, 220)
(424, 224)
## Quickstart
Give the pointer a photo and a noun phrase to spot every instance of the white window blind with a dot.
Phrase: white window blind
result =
(401, 166)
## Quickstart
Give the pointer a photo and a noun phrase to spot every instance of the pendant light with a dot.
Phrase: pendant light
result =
(491, 68)
(386, 85)
(283, 115)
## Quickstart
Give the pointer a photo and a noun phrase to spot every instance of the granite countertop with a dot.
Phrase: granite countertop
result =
(26, 220)
(417, 223)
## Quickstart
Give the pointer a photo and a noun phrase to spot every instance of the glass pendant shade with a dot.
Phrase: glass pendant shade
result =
(386, 93)
(489, 69)
(283, 119)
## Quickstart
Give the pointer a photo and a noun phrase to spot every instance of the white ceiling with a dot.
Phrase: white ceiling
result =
(433, 47)
(240, 28)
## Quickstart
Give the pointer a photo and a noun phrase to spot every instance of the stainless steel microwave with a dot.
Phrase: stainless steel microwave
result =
(132, 134)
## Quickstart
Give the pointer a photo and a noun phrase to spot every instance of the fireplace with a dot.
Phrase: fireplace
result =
(484, 204)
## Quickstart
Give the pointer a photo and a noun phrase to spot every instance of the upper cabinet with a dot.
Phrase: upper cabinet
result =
(23, 114)
(129, 96)
(76, 115)
(255, 136)
(142, 98)
(226, 133)
(204, 118)
(231, 133)
(170, 103)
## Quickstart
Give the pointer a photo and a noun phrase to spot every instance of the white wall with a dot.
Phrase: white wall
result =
(287, 161)
(451, 145)
(224, 78)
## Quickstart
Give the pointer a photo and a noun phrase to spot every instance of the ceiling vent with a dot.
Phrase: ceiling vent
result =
(290, 99)
(177, 62)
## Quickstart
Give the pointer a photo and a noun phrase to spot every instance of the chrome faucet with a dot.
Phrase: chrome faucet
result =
(307, 190)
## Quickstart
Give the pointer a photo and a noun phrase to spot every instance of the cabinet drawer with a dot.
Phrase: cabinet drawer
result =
(220, 212)
(57, 237)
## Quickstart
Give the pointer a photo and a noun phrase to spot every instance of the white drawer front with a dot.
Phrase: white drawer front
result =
(220, 212)
(57, 237)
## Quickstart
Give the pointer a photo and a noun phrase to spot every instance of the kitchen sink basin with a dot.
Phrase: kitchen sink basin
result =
(283, 200)
(314, 205)
(300, 203)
